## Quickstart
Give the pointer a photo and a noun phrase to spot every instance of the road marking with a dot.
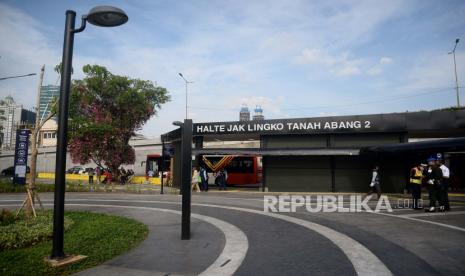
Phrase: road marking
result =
(235, 248)
(362, 259)
(219, 206)
(432, 214)
(353, 250)
(420, 220)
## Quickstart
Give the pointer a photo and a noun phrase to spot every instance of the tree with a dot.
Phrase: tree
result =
(105, 112)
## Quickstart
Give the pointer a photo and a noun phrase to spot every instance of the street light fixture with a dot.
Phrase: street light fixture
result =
(186, 89)
(177, 123)
(20, 76)
(455, 68)
(105, 16)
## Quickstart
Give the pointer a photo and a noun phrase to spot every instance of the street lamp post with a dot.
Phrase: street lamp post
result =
(186, 176)
(187, 82)
(455, 68)
(104, 16)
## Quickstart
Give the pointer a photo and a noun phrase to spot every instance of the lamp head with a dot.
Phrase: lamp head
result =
(178, 123)
(181, 75)
(106, 16)
(457, 40)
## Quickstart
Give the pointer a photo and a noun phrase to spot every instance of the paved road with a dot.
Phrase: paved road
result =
(232, 234)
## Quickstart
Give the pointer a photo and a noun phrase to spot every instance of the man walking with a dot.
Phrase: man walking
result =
(204, 179)
(375, 182)
(91, 176)
(222, 177)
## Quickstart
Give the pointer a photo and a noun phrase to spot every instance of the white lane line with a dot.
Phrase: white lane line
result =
(235, 248)
(219, 206)
(432, 214)
(362, 259)
(420, 220)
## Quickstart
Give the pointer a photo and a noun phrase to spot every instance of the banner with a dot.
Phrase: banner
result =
(21, 153)
(223, 162)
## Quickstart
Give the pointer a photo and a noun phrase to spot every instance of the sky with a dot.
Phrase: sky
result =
(293, 58)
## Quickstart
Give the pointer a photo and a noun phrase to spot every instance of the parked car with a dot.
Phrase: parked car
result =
(87, 170)
(10, 171)
(76, 170)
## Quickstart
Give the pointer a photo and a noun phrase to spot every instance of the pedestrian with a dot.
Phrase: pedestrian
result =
(444, 183)
(98, 173)
(195, 180)
(91, 176)
(204, 179)
(108, 177)
(416, 177)
(169, 181)
(433, 180)
(222, 177)
(375, 182)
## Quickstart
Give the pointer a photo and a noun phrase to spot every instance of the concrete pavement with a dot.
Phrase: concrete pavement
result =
(404, 242)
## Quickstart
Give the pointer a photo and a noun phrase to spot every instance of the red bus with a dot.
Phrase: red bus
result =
(241, 170)
(154, 164)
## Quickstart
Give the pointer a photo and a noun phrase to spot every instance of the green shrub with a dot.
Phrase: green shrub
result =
(7, 217)
(98, 236)
(25, 232)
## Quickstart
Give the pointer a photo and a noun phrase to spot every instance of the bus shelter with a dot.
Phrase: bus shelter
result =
(332, 154)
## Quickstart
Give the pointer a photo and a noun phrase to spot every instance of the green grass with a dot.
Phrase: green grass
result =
(98, 236)
(6, 186)
(18, 232)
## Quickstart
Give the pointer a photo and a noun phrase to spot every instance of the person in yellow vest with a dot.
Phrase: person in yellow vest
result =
(416, 177)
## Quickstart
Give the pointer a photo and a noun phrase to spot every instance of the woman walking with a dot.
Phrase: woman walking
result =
(195, 180)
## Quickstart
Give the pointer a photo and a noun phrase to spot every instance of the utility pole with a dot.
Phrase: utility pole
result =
(455, 69)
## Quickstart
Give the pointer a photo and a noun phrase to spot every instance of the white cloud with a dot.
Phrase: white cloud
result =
(378, 68)
(24, 49)
(233, 51)
(433, 72)
(385, 60)
(340, 64)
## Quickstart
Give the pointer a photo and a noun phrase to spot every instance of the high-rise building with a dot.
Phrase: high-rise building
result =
(14, 117)
(244, 114)
(47, 94)
(258, 116)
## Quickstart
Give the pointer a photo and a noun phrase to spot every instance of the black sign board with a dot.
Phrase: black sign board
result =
(395, 122)
(21, 153)
(168, 150)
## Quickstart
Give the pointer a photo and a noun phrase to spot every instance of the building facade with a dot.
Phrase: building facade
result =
(244, 114)
(15, 117)
(258, 116)
(47, 94)
(48, 134)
